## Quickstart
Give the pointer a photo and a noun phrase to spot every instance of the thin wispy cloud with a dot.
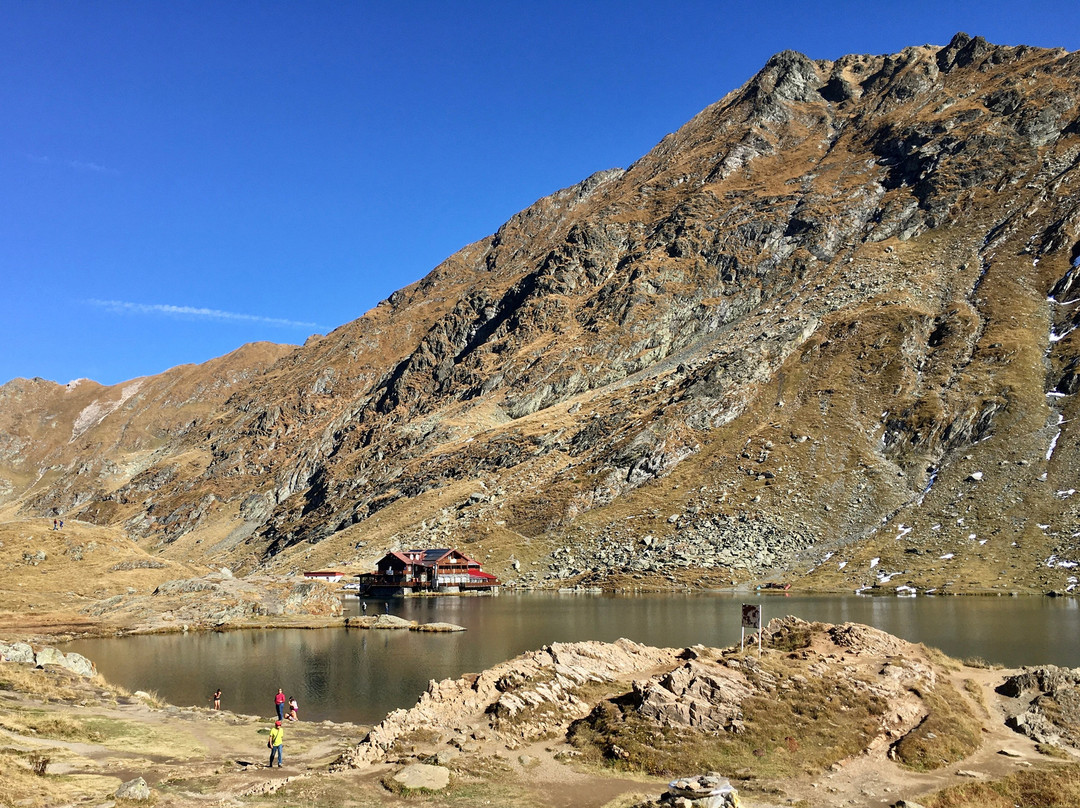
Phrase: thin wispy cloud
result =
(195, 313)
(76, 165)
(80, 165)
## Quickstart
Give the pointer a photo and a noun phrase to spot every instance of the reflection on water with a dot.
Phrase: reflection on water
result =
(356, 675)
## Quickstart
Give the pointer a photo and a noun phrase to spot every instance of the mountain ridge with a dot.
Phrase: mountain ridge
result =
(804, 320)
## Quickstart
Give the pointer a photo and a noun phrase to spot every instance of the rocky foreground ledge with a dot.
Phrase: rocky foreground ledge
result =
(826, 715)
(821, 702)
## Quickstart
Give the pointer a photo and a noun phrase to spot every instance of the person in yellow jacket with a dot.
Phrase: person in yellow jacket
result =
(276, 742)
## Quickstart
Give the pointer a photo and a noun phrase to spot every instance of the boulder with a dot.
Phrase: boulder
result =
(701, 791)
(136, 790)
(417, 776)
(438, 627)
(16, 652)
(76, 663)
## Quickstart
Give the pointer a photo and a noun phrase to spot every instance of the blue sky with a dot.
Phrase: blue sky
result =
(179, 178)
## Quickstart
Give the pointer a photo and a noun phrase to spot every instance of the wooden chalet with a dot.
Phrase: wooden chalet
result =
(441, 570)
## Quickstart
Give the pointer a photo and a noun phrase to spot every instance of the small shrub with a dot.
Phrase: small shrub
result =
(792, 637)
(39, 763)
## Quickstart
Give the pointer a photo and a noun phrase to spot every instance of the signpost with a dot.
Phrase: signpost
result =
(751, 618)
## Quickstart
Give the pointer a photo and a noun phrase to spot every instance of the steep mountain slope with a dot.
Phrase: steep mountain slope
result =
(821, 331)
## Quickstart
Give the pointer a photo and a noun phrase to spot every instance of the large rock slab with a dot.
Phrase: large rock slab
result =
(1051, 704)
(422, 776)
(383, 621)
(76, 663)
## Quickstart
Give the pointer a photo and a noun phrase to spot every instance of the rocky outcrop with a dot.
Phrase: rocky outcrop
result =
(703, 791)
(639, 706)
(517, 701)
(1049, 704)
(694, 695)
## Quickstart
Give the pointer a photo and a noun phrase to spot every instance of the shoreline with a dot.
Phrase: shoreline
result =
(62, 625)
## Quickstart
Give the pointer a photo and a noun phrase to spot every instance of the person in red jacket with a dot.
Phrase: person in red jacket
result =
(279, 703)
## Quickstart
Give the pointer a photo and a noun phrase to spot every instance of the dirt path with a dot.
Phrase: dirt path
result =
(874, 779)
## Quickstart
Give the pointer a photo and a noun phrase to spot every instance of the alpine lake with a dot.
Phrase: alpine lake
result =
(359, 675)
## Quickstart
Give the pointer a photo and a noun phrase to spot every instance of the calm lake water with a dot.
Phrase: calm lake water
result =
(359, 675)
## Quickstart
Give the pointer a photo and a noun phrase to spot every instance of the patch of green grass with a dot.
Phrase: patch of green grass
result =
(1056, 787)
(948, 733)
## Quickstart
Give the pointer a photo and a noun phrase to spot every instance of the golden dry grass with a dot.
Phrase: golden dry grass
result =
(1057, 787)
(949, 732)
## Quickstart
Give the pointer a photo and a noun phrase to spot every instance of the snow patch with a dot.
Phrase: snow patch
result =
(1055, 337)
(96, 411)
(946, 557)
(874, 562)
